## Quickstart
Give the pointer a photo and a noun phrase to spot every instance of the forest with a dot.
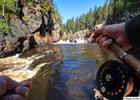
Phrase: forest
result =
(113, 11)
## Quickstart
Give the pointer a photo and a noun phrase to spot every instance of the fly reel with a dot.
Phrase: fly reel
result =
(114, 80)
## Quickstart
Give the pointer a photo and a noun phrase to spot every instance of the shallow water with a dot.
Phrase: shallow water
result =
(70, 78)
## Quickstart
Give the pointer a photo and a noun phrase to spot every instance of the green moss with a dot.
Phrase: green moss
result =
(4, 27)
(9, 6)
(48, 6)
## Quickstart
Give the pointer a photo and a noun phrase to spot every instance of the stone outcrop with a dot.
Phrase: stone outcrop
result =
(82, 36)
(57, 34)
(32, 26)
(73, 37)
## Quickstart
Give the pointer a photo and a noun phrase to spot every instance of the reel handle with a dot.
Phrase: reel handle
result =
(128, 58)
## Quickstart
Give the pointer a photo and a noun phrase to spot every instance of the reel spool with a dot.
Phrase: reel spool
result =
(114, 80)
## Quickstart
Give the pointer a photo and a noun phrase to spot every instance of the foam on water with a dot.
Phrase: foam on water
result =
(28, 65)
(19, 68)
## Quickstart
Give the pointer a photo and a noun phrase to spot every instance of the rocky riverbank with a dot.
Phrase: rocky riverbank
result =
(81, 36)
(27, 65)
(34, 24)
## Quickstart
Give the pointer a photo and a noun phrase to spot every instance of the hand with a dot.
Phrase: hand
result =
(19, 90)
(111, 33)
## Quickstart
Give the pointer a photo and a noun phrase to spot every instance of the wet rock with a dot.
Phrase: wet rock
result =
(49, 52)
(98, 96)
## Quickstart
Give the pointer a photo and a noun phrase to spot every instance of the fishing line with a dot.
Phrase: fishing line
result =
(43, 72)
(51, 67)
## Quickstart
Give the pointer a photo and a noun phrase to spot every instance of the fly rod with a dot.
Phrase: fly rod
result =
(50, 68)
(89, 27)
(132, 61)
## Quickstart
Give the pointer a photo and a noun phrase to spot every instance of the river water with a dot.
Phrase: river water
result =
(72, 75)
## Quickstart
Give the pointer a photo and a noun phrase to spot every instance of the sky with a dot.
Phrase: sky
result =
(74, 8)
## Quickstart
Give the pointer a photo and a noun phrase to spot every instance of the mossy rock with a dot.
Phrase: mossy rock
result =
(4, 27)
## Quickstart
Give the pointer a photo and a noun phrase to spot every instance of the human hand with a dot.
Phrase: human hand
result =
(111, 33)
(12, 90)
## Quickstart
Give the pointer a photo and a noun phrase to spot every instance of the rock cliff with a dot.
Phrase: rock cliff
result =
(35, 23)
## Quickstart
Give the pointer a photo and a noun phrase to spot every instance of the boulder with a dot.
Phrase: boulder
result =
(56, 33)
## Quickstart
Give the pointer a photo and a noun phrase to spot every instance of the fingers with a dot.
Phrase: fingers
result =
(98, 32)
(105, 45)
(101, 37)
(13, 97)
(27, 83)
(103, 42)
(3, 86)
(91, 39)
(97, 40)
(7, 85)
(115, 32)
(11, 84)
(22, 90)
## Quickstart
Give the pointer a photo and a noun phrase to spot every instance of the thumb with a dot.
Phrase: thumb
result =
(27, 83)
(6, 84)
(3, 86)
(11, 84)
(98, 32)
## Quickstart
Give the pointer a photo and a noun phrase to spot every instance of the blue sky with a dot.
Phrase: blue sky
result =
(73, 8)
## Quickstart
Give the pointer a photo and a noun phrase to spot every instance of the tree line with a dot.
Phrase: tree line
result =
(109, 13)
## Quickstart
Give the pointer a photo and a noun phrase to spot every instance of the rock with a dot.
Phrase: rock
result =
(98, 96)
(49, 52)
(28, 29)
(26, 45)
(18, 28)
(77, 37)
(56, 33)
(32, 17)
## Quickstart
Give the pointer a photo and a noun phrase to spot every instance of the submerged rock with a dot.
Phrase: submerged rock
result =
(98, 96)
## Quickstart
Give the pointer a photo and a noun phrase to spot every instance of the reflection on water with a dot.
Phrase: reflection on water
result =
(73, 78)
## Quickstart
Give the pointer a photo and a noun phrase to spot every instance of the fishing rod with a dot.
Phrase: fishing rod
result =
(51, 67)
(89, 27)
(46, 72)
(128, 58)
(116, 79)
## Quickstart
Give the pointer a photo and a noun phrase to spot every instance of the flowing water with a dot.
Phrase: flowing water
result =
(73, 78)
(62, 72)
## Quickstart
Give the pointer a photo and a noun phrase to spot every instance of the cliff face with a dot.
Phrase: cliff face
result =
(34, 24)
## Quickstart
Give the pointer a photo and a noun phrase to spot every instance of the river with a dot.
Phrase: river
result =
(73, 78)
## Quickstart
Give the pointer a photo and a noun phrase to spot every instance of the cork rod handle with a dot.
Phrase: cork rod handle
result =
(128, 58)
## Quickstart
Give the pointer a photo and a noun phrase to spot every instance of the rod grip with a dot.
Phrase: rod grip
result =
(128, 58)
(133, 62)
